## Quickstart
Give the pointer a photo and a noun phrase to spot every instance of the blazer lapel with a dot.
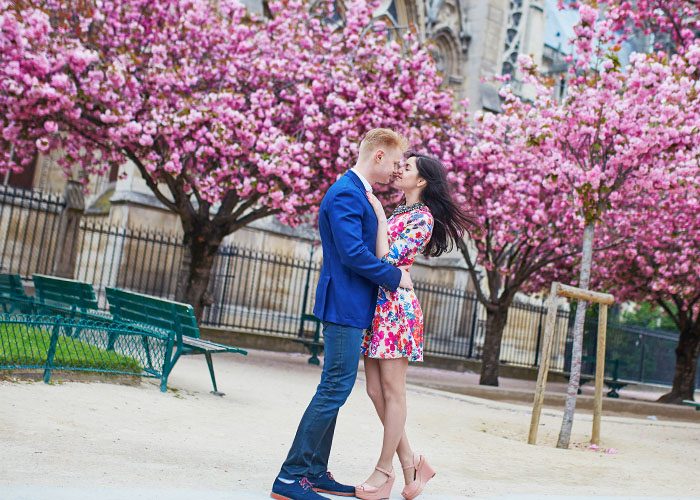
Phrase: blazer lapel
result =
(358, 184)
(356, 180)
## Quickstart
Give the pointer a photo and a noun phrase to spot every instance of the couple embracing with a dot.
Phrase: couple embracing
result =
(366, 301)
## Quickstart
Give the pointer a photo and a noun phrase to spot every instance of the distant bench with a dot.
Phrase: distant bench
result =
(613, 383)
(51, 292)
(12, 294)
(694, 404)
(313, 341)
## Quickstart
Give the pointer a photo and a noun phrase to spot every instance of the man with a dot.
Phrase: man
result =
(346, 297)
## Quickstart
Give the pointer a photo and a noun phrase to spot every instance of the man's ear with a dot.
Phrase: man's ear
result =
(378, 155)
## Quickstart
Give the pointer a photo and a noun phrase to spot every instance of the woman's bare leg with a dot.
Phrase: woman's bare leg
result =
(386, 387)
(376, 394)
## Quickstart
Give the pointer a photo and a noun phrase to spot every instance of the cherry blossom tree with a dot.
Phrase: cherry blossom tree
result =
(660, 263)
(618, 136)
(525, 220)
(676, 20)
(228, 117)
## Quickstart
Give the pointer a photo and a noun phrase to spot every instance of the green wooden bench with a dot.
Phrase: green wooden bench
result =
(64, 294)
(161, 314)
(67, 297)
(694, 404)
(313, 342)
(12, 294)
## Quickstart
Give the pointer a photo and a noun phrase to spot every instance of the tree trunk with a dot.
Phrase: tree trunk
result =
(201, 247)
(687, 353)
(496, 319)
(574, 379)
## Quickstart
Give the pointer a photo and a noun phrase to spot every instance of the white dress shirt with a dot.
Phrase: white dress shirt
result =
(365, 183)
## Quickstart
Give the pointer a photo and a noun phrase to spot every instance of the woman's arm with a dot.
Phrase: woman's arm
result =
(382, 226)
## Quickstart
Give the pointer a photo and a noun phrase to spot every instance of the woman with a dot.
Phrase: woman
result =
(430, 223)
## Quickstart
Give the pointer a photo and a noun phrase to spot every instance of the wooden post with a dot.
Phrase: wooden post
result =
(549, 327)
(599, 373)
(604, 299)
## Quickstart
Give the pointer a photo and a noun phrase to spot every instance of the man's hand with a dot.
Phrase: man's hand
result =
(406, 281)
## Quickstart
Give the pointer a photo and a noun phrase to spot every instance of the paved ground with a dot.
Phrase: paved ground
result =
(34, 493)
(107, 441)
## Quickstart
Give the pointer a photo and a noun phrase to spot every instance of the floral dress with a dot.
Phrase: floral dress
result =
(397, 328)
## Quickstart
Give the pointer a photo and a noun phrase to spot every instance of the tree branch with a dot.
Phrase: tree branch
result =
(232, 218)
(150, 182)
(250, 217)
(473, 272)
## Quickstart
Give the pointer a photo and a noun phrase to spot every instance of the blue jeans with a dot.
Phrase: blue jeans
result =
(308, 456)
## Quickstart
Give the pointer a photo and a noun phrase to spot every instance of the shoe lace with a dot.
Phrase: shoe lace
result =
(305, 483)
(330, 476)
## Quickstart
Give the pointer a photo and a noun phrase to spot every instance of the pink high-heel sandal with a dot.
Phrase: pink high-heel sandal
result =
(368, 492)
(424, 473)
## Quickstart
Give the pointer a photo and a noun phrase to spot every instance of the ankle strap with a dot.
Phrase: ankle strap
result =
(414, 464)
(388, 474)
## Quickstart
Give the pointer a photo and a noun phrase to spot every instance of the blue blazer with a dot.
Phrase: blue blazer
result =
(347, 287)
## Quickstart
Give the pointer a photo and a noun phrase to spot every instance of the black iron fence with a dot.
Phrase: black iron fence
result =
(262, 292)
(265, 292)
(29, 228)
(632, 353)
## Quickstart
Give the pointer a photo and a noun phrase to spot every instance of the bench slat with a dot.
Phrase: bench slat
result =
(209, 346)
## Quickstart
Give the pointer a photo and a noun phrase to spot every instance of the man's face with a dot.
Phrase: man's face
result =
(388, 161)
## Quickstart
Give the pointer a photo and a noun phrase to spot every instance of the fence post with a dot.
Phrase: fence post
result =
(69, 230)
(539, 335)
(475, 312)
(51, 353)
(641, 360)
(305, 298)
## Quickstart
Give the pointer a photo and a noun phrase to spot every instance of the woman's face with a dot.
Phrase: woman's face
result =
(407, 177)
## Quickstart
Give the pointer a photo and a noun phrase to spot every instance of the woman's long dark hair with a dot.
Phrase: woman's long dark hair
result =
(450, 220)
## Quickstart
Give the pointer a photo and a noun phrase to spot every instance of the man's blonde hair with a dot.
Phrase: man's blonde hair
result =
(382, 138)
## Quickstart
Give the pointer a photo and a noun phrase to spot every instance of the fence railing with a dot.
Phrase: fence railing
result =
(265, 292)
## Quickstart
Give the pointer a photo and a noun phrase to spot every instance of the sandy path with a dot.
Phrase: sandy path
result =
(91, 436)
